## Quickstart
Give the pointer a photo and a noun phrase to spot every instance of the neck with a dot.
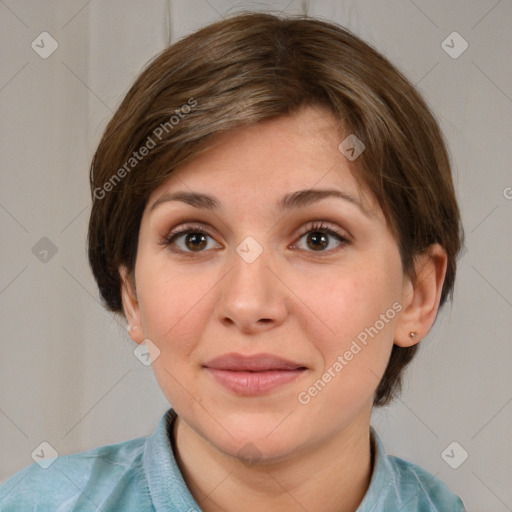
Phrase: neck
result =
(333, 476)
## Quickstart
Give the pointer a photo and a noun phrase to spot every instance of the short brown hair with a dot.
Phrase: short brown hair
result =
(256, 66)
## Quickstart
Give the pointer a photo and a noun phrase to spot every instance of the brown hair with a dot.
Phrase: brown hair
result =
(252, 67)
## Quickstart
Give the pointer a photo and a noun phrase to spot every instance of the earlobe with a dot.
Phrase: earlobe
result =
(421, 297)
(131, 306)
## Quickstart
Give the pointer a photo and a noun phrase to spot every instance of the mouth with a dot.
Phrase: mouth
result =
(253, 375)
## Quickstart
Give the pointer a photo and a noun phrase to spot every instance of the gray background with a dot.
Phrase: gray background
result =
(68, 375)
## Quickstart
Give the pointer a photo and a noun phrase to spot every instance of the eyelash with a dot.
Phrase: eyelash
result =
(316, 226)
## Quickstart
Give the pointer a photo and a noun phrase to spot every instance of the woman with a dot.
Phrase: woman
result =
(274, 215)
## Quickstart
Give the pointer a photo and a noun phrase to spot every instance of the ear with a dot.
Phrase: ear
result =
(131, 305)
(421, 296)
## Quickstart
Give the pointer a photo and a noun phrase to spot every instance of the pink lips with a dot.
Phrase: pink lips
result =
(253, 375)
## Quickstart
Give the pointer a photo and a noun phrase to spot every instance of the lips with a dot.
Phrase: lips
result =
(256, 363)
(253, 375)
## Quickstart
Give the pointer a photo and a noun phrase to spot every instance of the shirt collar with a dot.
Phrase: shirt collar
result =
(383, 483)
(168, 490)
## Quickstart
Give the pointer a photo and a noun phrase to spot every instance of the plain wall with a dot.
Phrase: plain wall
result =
(68, 374)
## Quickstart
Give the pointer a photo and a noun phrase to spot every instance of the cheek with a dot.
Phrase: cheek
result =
(174, 312)
(345, 302)
(174, 305)
(352, 317)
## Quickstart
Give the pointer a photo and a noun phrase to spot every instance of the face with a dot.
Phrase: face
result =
(274, 301)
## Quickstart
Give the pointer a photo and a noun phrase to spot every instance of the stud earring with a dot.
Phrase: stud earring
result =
(413, 335)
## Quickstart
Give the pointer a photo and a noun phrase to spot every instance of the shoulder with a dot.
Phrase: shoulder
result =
(421, 491)
(82, 481)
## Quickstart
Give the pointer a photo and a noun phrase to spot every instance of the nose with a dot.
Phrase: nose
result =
(252, 297)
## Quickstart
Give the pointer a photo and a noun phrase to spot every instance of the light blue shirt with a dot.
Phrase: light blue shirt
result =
(142, 475)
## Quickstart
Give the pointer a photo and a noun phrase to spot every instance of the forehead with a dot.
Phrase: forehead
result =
(270, 159)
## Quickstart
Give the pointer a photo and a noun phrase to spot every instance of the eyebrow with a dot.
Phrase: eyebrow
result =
(298, 199)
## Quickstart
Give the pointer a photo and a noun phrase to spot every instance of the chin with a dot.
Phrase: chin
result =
(259, 437)
(263, 451)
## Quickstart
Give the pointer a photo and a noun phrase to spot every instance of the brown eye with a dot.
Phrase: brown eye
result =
(196, 241)
(189, 240)
(319, 238)
(317, 241)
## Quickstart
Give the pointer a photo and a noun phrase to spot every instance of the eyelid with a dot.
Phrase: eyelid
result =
(320, 226)
(326, 226)
(187, 227)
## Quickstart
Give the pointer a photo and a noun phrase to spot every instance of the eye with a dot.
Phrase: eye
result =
(319, 238)
(189, 239)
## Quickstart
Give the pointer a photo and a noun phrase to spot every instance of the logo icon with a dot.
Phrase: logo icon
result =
(44, 45)
(249, 454)
(351, 147)
(454, 45)
(44, 250)
(45, 455)
(454, 455)
(249, 249)
(147, 352)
